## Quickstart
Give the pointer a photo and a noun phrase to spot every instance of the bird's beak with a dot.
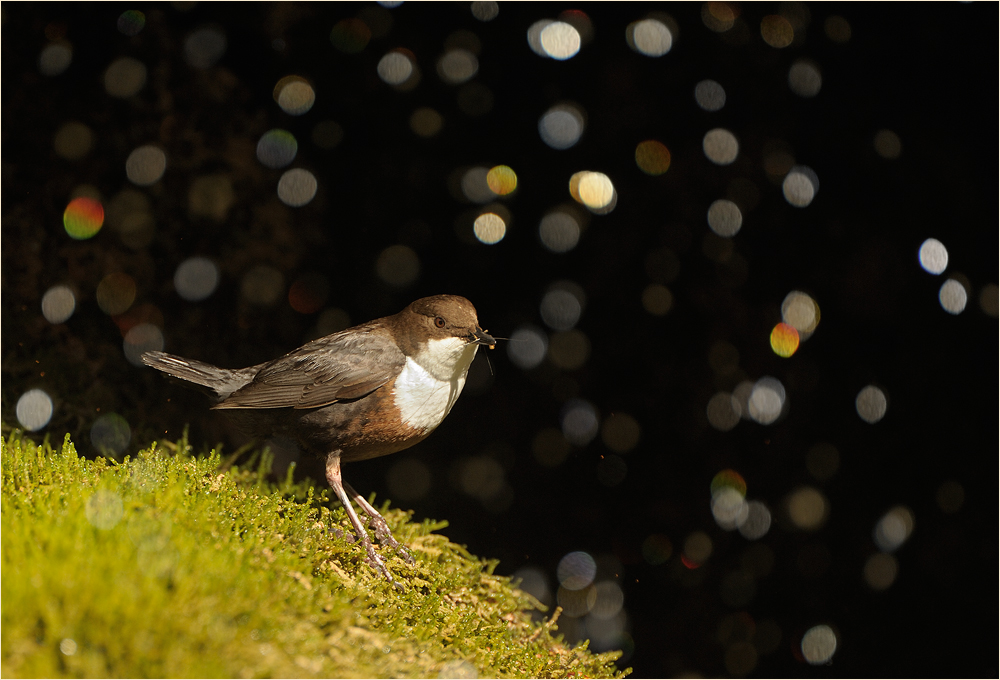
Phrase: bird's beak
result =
(484, 338)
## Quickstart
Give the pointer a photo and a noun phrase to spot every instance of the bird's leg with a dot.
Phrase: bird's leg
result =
(378, 524)
(336, 480)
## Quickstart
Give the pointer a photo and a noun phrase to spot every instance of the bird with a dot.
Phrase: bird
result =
(367, 391)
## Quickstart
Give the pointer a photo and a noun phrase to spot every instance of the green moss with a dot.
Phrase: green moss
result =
(171, 565)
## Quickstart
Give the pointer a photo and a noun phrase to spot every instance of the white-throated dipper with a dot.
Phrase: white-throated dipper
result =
(364, 392)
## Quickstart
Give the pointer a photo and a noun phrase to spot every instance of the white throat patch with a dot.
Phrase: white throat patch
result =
(431, 381)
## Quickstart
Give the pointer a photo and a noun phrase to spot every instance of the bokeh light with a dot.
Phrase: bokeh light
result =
(277, 148)
(534, 36)
(657, 299)
(131, 22)
(527, 347)
(801, 312)
(697, 549)
(933, 256)
(141, 338)
(262, 285)
(649, 37)
(350, 36)
(130, 214)
(426, 122)
(483, 478)
(83, 217)
(145, 165)
(880, 571)
(58, 304)
(871, 404)
(594, 190)
(196, 278)
(725, 218)
(576, 570)
(887, 144)
(580, 422)
(800, 186)
(73, 141)
(559, 40)
(710, 95)
(489, 228)
(720, 146)
(953, 296)
(652, 157)
(620, 432)
(893, 529)
(395, 68)
(501, 180)
(475, 186)
(204, 47)
(211, 196)
(104, 509)
(55, 58)
(776, 31)
(719, 16)
(485, 11)
(767, 400)
(807, 508)
(784, 340)
(116, 293)
(124, 77)
(729, 508)
(569, 350)
(294, 95)
(457, 66)
(398, 266)
(110, 434)
(804, 78)
(562, 125)
(757, 522)
(989, 299)
(297, 187)
(723, 411)
(559, 231)
(950, 497)
(562, 305)
(34, 410)
(837, 29)
(819, 645)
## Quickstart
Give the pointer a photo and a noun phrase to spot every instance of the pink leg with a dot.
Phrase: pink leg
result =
(336, 480)
(378, 523)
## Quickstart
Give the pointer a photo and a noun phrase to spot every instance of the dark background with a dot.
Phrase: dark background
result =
(925, 71)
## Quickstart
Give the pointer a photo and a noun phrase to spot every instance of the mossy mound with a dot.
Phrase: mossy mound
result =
(171, 565)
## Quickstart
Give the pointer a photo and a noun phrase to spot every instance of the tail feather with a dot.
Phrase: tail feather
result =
(220, 382)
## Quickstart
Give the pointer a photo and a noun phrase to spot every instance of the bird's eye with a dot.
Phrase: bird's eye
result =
(439, 321)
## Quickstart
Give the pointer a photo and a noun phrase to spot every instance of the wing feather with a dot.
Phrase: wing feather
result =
(342, 366)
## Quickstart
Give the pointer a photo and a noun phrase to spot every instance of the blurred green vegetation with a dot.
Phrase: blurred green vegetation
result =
(174, 565)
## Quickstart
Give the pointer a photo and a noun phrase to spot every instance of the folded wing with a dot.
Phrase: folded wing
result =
(336, 368)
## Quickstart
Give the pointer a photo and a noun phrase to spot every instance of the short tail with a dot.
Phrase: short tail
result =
(220, 382)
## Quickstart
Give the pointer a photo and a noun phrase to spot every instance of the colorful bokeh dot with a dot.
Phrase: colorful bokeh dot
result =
(83, 218)
(652, 157)
(502, 180)
(729, 479)
(784, 340)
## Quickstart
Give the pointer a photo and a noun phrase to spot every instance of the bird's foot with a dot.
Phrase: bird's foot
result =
(385, 537)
